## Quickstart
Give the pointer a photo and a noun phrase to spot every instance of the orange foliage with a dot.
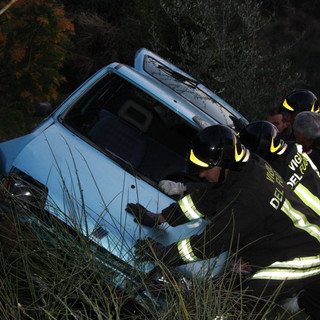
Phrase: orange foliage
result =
(34, 42)
(58, 11)
(65, 25)
(43, 21)
(17, 54)
(25, 94)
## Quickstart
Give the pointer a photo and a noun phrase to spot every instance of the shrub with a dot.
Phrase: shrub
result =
(35, 38)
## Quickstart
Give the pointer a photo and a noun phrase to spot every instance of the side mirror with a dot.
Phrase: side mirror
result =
(43, 109)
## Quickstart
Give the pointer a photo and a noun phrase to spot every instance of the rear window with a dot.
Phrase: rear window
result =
(187, 88)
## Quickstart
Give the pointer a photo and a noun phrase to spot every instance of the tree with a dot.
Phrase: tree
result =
(94, 47)
(222, 43)
(34, 41)
(96, 38)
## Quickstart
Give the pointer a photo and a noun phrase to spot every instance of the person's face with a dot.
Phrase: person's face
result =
(211, 175)
(277, 120)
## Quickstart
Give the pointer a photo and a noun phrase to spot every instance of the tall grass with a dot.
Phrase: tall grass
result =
(48, 271)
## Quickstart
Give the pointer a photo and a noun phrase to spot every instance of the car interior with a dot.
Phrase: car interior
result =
(131, 127)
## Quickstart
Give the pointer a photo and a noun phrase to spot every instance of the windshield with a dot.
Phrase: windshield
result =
(187, 88)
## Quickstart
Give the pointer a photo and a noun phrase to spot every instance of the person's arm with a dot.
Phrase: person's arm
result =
(214, 240)
(184, 210)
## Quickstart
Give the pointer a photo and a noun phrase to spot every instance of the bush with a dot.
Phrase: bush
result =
(35, 38)
(221, 43)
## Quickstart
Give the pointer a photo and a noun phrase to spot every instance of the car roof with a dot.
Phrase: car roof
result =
(200, 109)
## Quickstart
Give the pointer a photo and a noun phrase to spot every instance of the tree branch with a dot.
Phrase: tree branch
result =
(7, 6)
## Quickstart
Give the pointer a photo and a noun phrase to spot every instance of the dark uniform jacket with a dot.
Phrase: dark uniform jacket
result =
(300, 174)
(255, 214)
(315, 153)
(287, 135)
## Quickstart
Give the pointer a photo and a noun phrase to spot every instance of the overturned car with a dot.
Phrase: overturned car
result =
(110, 143)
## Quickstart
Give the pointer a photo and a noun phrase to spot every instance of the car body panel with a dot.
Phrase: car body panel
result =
(72, 173)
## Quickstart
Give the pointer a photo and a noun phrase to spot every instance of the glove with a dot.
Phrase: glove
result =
(171, 188)
(239, 123)
(146, 249)
(142, 215)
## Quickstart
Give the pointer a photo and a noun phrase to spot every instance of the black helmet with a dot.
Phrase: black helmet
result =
(218, 145)
(301, 100)
(262, 138)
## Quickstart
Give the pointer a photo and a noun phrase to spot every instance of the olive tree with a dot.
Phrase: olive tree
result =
(222, 43)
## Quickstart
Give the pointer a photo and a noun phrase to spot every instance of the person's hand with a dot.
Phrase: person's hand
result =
(172, 188)
(142, 215)
(146, 249)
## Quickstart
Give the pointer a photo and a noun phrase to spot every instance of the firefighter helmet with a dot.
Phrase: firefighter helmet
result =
(218, 145)
(301, 100)
(262, 138)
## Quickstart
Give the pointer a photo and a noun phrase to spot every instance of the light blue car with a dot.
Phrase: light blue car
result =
(110, 143)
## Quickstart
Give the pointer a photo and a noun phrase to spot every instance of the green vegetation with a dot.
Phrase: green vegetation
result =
(251, 52)
(221, 43)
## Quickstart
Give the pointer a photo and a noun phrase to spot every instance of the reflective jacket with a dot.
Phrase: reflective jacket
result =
(255, 214)
(300, 174)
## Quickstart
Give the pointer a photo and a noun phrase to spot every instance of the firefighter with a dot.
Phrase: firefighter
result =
(282, 121)
(253, 213)
(297, 101)
(307, 131)
(288, 159)
(300, 100)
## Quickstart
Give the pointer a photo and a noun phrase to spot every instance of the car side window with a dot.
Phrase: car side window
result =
(132, 128)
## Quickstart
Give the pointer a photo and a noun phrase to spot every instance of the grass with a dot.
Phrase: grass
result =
(56, 276)
(48, 272)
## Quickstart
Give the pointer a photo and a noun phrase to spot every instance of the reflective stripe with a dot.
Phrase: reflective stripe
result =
(308, 198)
(299, 262)
(279, 274)
(300, 221)
(197, 161)
(286, 105)
(283, 149)
(313, 166)
(313, 109)
(305, 156)
(297, 268)
(302, 192)
(274, 149)
(188, 208)
(238, 156)
(185, 251)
